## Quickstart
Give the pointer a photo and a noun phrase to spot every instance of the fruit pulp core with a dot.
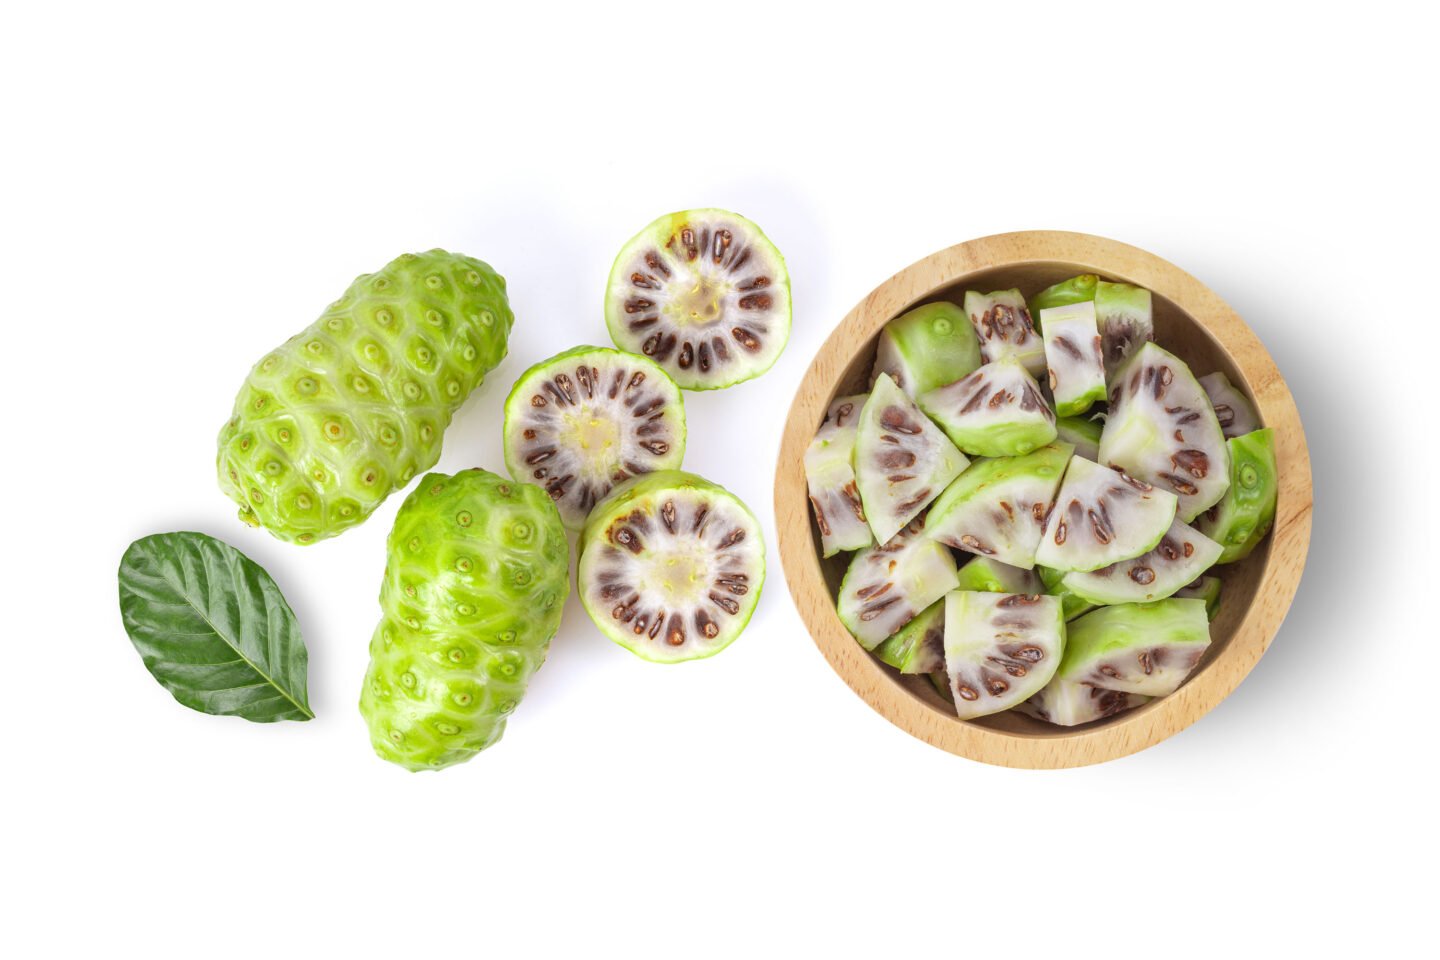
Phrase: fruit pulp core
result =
(679, 574)
(594, 433)
(700, 304)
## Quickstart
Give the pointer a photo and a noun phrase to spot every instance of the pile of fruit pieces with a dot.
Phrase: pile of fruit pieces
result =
(1091, 509)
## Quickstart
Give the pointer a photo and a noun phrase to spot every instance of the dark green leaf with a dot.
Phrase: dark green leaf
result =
(213, 628)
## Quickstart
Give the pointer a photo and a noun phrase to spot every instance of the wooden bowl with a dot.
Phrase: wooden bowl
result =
(1192, 322)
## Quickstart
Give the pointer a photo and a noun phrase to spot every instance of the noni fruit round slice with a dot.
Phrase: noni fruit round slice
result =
(927, 347)
(997, 508)
(1072, 353)
(704, 294)
(587, 419)
(1002, 322)
(1102, 516)
(997, 411)
(1181, 555)
(330, 423)
(1160, 428)
(671, 566)
(476, 574)
(830, 477)
(1233, 409)
(902, 460)
(1000, 648)
(1246, 513)
(887, 586)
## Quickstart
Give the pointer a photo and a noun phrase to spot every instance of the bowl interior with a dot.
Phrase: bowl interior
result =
(1176, 331)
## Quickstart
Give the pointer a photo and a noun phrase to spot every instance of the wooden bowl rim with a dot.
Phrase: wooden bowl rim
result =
(1140, 728)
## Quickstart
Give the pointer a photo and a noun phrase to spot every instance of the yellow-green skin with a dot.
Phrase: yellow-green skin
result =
(343, 414)
(476, 575)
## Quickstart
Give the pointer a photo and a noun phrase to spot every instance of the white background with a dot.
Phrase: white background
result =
(184, 188)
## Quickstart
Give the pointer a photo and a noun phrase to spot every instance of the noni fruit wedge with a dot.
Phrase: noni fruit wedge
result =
(997, 411)
(1180, 556)
(1246, 513)
(476, 575)
(1000, 648)
(1079, 289)
(1072, 353)
(919, 646)
(1002, 322)
(887, 586)
(1234, 411)
(997, 508)
(902, 460)
(927, 347)
(1102, 516)
(830, 476)
(1161, 429)
(1143, 648)
(1207, 589)
(1069, 703)
(330, 423)
(671, 566)
(1123, 313)
(1054, 585)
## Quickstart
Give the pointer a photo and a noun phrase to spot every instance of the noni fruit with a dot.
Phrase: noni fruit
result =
(337, 418)
(476, 575)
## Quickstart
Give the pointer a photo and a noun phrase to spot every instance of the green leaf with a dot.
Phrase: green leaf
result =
(213, 628)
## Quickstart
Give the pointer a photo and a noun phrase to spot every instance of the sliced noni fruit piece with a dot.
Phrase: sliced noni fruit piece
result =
(704, 294)
(997, 508)
(587, 419)
(1072, 353)
(988, 575)
(1075, 290)
(830, 475)
(927, 347)
(1068, 703)
(1161, 429)
(886, 586)
(1102, 516)
(1054, 585)
(1207, 589)
(1123, 313)
(671, 566)
(1002, 322)
(1144, 648)
(1246, 513)
(1083, 433)
(1000, 648)
(919, 646)
(997, 411)
(902, 460)
(1236, 415)
(1181, 555)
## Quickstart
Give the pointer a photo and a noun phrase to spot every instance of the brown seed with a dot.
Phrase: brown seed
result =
(973, 544)
(897, 420)
(675, 635)
(967, 692)
(745, 337)
(731, 607)
(687, 355)
(756, 301)
(705, 625)
(1142, 575)
(628, 539)
(1193, 462)
(667, 515)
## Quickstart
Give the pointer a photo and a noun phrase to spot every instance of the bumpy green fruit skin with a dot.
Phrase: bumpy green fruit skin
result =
(1075, 290)
(337, 418)
(1246, 513)
(476, 576)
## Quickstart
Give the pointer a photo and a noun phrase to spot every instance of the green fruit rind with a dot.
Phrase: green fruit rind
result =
(730, 317)
(927, 347)
(997, 507)
(1083, 433)
(1075, 290)
(631, 421)
(1246, 513)
(1207, 589)
(1143, 648)
(663, 556)
(476, 576)
(987, 575)
(1054, 583)
(919, 646)
(330, 423)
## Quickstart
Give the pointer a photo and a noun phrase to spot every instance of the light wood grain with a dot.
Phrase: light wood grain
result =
(1191, 321)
